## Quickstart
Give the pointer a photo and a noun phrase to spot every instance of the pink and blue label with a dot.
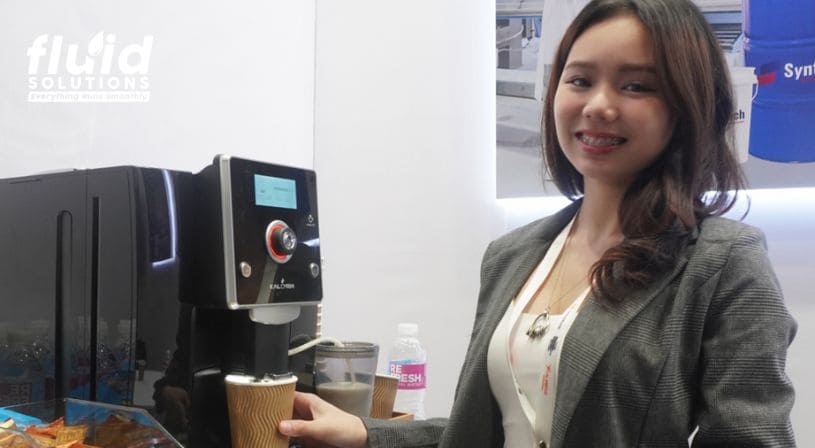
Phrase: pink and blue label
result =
(411, 376)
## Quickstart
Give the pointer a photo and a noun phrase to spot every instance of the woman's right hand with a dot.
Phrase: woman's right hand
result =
(320, 424)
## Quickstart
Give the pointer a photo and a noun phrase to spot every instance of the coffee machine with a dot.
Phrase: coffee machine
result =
(145, 286)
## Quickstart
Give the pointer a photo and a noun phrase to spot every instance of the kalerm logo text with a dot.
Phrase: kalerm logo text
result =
(100, 71)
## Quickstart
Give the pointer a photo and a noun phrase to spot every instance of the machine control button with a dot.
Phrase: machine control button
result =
(285, 241)
(314, 268)
(281, 241)
(246, 269)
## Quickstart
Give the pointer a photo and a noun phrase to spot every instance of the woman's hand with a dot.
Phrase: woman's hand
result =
(321, 424)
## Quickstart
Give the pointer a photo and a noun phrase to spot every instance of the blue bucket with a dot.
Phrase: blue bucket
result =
(780, 44)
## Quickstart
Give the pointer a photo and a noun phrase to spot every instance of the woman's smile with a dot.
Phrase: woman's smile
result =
(599, 143)
(610, 116)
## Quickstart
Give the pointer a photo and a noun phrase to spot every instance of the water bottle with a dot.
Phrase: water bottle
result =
(407, 361)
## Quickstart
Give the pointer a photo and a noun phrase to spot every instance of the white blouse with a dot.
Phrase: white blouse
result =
(523, 371)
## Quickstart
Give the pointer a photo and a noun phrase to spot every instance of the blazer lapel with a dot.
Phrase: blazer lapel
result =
(519, 260)
(590, 335)
(524, 261)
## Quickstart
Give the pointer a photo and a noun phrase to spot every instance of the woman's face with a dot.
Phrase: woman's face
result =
(611, 119)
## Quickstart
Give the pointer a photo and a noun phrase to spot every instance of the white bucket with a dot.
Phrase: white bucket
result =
(745, 83)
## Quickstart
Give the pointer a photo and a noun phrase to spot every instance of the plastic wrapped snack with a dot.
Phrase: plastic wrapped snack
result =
(71, 423)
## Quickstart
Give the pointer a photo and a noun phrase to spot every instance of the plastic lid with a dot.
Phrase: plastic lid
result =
(408, 329)
(347, 350)
(250, 380)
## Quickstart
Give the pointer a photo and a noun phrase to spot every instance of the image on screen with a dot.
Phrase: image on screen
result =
(275, 192)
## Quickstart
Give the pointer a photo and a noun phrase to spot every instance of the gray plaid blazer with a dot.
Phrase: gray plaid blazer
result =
(704, 346)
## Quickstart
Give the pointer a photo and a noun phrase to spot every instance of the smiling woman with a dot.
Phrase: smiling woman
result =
(652, 78)
(611, 118)
(636, 316)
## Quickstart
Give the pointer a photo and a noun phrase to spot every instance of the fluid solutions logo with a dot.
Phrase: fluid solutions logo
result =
(100, 71)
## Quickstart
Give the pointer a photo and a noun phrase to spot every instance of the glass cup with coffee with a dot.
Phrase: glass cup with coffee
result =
(344, 375)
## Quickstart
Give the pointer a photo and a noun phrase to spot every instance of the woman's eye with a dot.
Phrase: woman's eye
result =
(578, 82)
(637, 87)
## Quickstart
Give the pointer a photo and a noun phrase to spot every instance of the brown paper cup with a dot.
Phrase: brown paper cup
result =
(256, 408)
(384, 395)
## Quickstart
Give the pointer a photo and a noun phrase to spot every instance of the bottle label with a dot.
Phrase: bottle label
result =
(411, 376)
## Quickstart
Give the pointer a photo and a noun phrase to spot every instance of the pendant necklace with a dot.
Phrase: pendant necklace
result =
(541, 324)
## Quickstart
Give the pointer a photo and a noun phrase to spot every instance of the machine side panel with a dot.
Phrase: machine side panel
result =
(42, 241)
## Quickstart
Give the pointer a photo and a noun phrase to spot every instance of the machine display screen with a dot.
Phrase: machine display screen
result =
(275, 192)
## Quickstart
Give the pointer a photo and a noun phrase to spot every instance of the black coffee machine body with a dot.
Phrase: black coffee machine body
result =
(144, 287)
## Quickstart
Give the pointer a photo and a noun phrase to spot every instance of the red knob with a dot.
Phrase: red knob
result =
(281, 241)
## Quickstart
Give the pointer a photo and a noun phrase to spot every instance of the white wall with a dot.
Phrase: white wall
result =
(788, 219)
(405, 161)
(232, 77)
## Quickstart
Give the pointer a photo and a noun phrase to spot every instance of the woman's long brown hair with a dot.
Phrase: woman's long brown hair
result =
(696, 176)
